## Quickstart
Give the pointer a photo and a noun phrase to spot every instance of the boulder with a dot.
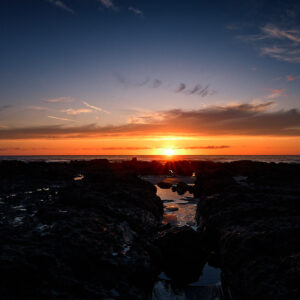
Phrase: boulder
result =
(255, 234)
(164, 185)
(181, 188)
(183, 254)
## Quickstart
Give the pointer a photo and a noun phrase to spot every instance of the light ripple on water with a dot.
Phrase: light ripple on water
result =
(186, 209)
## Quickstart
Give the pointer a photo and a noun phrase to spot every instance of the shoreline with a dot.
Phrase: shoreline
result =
(149, 158)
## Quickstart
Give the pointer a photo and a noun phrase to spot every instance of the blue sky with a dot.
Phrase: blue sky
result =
(75, 63)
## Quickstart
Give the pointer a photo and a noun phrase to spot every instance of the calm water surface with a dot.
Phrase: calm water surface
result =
(208, 286)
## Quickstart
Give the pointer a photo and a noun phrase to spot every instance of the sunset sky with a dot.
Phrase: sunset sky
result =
(139, 77)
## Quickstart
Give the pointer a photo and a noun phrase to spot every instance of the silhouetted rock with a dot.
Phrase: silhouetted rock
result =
(254, 230)
(93, 238)
(181, 188)
(164, 185)
(183, 254)
(213, 182)
(77, 240)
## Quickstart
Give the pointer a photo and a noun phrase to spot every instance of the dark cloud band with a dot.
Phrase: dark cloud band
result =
(242, 119)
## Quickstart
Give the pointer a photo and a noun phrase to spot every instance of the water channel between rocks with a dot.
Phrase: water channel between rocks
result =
(180, 210)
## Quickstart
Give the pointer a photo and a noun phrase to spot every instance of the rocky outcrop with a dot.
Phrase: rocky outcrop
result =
(181, 188)
(254, 230)
(164, 185)
(93, 238)
(183, 257)
(89, 239)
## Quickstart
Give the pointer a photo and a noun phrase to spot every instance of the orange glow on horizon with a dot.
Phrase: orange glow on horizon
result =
(169, 151)
(166, 146)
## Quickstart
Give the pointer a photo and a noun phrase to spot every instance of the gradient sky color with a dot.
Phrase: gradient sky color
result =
(136, 77)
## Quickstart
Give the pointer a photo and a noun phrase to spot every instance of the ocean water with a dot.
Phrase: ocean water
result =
(218, 158)
(208, 285)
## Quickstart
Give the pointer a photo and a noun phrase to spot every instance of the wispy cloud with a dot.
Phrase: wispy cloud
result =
(108, 4)
(95, 107)
(276, 93)
(156, 83)
(143, 82)
(59, 100)
(204, 147)
(244, 119)
(136, 11)
(271, 31)
(74, 112)
(195, 89)
(199, 90)
(292, 78)
(11, 149)
(61, 119)
(180, 88)
(126, 148)
(146, 118)
(4, 107)
(61, 5)
(121, 79)
(278, 43)
(38, 108)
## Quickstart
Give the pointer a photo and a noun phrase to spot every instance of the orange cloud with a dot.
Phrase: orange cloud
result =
(59, 100)
(292, 78)
(234, 120)
(74, 112)
(276, 93)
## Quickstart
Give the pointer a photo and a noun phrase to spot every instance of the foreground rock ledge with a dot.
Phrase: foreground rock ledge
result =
(254, 229)
(81, 240)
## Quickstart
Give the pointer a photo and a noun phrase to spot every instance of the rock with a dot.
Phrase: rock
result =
(89, 239)
(214, 182)
(255, 234)
(191, 189)
(164, 291)
(183, 254)
(164, 185)
(93, 239)
(171, 208)
(181, 188)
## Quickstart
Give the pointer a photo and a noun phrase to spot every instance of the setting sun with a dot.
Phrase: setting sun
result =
(169, 151)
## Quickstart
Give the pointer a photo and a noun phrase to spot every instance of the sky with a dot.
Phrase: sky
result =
(141, 77)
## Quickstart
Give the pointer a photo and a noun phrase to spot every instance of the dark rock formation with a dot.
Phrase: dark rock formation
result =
(213, 182)
(183, 257)
(89, 239)
(181, 188)
(93, 239)
(164, 185)
(254, 230)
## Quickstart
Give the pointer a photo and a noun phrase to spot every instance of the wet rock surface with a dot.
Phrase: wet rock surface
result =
(253, 226)
(77, 240)
(97, 237)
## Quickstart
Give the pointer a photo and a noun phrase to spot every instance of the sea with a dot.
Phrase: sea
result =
(118, 158)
